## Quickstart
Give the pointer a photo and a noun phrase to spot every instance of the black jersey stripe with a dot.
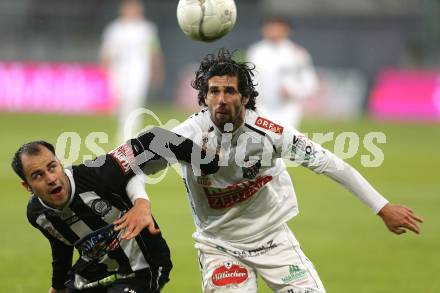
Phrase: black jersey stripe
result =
(263, 134)
(94, 221)
(61, 227)
(102, 183)
(86, 214)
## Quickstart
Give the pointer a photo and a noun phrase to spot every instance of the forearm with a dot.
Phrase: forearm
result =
(136, 189)
(172, 147)
(150, 152)
(351, 179)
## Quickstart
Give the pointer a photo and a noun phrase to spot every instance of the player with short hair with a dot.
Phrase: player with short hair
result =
(101, 208)
(241, 211)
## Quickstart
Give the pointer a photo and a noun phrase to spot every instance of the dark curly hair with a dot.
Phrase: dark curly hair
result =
(223, 64)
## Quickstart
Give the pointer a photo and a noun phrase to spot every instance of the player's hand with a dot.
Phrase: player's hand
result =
(399, 219)
(136, 219)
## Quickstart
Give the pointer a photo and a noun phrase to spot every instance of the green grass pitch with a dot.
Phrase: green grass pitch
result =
(350, 247)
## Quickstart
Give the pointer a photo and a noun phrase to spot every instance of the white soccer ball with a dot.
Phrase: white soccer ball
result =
(206, 20)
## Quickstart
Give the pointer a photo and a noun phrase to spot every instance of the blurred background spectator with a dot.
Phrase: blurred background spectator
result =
(352, 43)
(285, 75)
(132, 55)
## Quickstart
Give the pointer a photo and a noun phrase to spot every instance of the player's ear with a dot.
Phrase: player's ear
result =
(26, 186)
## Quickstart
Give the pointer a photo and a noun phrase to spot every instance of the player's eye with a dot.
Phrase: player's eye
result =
(36, 176)
(214, 92)
(230, 91)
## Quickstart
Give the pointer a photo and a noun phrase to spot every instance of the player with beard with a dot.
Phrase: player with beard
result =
(241, 211)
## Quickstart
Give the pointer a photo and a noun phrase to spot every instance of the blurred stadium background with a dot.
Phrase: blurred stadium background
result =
(379, 68)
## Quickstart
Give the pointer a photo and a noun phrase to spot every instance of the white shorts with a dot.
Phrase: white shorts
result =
(276, 257)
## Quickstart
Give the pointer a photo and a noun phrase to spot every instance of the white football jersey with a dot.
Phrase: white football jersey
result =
(129, 44)
(282, 64)
(252, 191)
(284, 75)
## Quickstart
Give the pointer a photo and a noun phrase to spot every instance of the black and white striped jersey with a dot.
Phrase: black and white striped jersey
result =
(98, 198)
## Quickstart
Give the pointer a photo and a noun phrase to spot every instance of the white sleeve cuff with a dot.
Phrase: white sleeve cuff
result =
(136, 188)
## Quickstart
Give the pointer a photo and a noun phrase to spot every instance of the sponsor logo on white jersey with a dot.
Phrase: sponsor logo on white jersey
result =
(269, 125)
(220, 198)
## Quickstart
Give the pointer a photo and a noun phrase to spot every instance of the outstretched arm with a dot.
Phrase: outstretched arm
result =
(144, 154)
(397, 218)
(158, 144)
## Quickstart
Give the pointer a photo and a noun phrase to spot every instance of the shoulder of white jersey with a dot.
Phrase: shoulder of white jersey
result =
(252, 48)
(202, 114)
(111, 27)
(195, 125)
(258, 48)
(150, 26)
(198, 121)
(299, 50)
(259, 123)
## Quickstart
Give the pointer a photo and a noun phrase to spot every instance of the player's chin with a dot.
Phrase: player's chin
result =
(222, 118)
